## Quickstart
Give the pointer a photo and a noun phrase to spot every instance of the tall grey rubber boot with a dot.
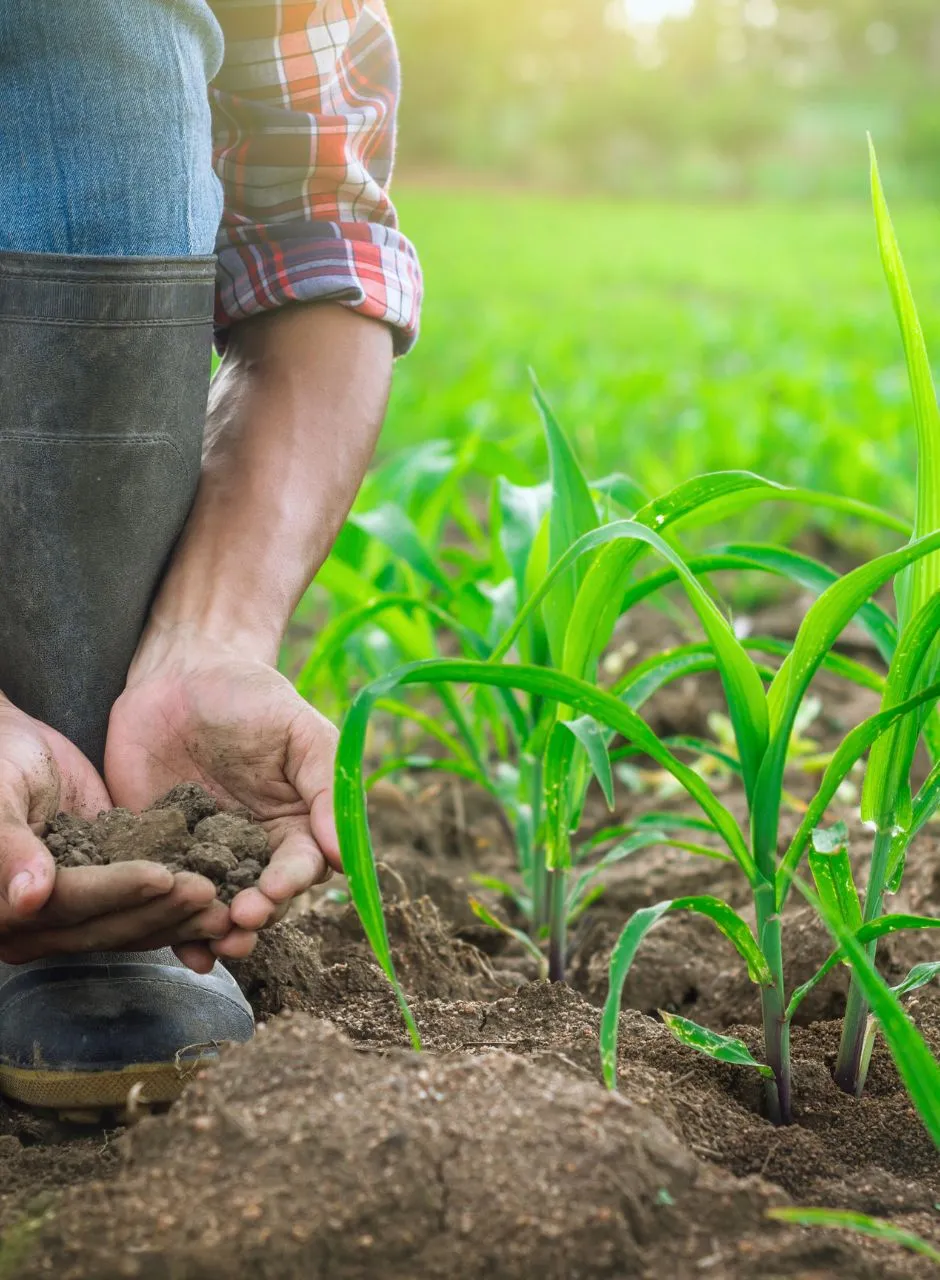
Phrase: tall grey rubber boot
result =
(104, 375)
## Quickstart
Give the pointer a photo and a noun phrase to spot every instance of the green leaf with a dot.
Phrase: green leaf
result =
(822, 625)
(634, 843)
(780, 561)
(918, 977)
(702, 747)
(657, 821)
(886, 793)
(349, 794)
(587, 731)
(848, 752)
(895, 922)
(641, 681)
(870, 932)
(710, 498)
(919, 583)
(802, 991)
(721, 1048)
(522, 510)
(347, 587)
(862, 1223)
(924, 806)
(572, 513)
(483, 914)
(837, 663)
(916, 1065)
(594, 616)
(832, 871)
(726, 920)
(555, 770)
(390, 525)
(623, 489)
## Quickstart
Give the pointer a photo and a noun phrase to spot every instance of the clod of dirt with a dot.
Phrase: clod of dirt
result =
(184, 831)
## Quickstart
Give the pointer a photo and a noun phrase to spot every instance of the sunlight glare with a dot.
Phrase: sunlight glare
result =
(652, 12)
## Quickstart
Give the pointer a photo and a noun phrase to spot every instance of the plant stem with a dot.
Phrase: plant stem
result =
(540, 903)
(777, 1048)
(773, 1007)
(557, 924)
(848, 1073)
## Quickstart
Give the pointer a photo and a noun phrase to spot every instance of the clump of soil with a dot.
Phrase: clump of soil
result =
(186, 831)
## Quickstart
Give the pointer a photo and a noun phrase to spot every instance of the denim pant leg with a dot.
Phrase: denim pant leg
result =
(105, 134)
(108, 215)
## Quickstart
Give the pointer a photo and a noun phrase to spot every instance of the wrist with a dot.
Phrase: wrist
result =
(172, 644)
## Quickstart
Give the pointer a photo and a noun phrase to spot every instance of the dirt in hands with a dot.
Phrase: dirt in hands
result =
(185, 831)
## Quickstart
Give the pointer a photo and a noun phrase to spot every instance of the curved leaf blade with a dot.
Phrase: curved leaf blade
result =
(862, 1223)
(848, 752)
(916, 1065)
(725, 919)
(722, 1048)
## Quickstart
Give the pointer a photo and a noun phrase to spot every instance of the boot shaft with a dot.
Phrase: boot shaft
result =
(104, 373)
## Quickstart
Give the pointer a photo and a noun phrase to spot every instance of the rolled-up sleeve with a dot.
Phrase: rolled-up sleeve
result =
(304, 135)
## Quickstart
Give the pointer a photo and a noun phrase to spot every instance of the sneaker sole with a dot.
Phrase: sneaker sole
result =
(144, 1084)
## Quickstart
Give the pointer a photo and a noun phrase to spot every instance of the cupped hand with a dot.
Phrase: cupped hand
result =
(194, 711)
(134, 905)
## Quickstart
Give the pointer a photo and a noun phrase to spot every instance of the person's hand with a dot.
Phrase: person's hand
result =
(196, 712)
(134, 905)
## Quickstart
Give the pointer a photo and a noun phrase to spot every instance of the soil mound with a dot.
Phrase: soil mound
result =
(363, 1166)
(351, 1165)
(186, 831)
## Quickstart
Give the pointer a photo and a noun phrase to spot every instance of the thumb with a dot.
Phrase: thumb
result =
(27, 870)
(323, 826)
(312, 761)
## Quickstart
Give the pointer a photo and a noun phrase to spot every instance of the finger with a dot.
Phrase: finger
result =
(82, 893)
(323, 826)
(296, 864)
(236, 945)
(27, 871)
(122, 930)
(252, 910)
(207, 925)
(81, 788)
(310, 766)
(196, 956)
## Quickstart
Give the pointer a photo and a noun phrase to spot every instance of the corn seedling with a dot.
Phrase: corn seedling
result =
(886, 799)
(572, 558)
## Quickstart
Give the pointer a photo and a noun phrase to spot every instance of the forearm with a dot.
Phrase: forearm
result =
(293, 418)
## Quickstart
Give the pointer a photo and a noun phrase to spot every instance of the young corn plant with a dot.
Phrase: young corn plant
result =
(886, 800)
(545, 538)
(578, 577)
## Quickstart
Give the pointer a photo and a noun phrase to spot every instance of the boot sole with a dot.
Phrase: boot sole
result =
(88, 1093)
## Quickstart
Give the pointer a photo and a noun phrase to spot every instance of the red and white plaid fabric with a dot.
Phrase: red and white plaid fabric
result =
(304, 130)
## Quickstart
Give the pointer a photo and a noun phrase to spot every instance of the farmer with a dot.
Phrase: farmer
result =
(161, 161)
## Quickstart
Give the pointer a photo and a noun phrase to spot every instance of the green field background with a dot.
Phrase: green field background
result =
(671, 338)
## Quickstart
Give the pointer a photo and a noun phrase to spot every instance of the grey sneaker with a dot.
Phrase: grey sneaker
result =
(78, 1033)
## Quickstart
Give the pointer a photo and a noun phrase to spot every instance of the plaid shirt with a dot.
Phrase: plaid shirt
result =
(304, 133)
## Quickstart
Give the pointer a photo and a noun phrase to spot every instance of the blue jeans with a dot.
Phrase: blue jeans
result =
(105, 134)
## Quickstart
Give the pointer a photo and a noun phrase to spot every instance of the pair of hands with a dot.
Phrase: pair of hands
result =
(190, 713)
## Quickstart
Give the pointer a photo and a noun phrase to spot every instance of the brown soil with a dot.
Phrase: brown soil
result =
(185, 831)
(328, 1149)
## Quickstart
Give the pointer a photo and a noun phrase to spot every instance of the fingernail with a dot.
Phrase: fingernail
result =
(19, 887)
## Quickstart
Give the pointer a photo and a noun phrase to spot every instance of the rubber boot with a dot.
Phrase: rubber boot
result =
(104, 374)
